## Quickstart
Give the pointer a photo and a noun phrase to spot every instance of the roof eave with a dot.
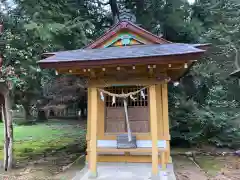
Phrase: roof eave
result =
(186, 71)
(200, 46)
(235, 74)
(122, 61)
(46, 55)
(205, 46)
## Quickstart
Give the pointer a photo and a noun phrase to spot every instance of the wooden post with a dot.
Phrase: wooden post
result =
(160, 113)
(165, 118)
(154, 130)
(93, 132)
(101, 118)
(88, 125)
(163, 160)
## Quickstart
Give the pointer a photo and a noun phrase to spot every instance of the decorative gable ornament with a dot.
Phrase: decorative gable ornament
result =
(126, 15)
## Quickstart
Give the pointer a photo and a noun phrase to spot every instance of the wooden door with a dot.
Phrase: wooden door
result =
(138, 112)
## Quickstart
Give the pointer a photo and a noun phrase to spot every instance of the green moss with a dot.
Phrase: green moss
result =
(209, 164)
(44, 137)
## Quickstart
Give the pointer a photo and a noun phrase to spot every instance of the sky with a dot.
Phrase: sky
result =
(191, 1)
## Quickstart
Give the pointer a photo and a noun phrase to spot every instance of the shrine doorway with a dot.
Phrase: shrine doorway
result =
(138, 111)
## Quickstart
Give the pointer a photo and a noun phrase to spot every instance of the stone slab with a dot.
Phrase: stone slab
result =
(126, 171)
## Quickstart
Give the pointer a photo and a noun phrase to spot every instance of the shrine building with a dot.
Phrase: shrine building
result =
(127, 71)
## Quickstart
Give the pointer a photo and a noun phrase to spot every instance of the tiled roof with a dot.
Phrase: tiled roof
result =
(126, 52)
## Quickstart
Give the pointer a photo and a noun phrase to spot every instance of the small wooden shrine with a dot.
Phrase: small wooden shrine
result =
(127, 70)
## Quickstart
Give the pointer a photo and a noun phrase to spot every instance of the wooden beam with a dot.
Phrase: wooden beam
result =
(93, 132)
(154, 130)
(136, 150)
(128, 70)
(150, 71)
(105, 82)
(93, 74)
(142, 136)
(126, 158)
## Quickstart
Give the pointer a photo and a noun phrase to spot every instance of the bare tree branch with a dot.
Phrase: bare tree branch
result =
(230, 31)
(232, 45)
(236, 63)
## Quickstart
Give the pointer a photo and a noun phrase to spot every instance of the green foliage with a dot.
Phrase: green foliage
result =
(221, 118)
(204, 108)
(216, 120)
(31, 30)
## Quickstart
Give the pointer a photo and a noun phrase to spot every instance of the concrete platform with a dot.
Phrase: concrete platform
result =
(126, 171)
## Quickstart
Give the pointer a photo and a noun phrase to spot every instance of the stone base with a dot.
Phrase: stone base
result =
(92, 175)
(164, 175)
(126, 171)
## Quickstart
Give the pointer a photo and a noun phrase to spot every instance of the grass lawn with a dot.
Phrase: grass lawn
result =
(39, 138)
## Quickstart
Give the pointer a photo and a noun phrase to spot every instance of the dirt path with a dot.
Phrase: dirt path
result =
(211, 168)
(51, 168)
(48, 168)
(187, 170)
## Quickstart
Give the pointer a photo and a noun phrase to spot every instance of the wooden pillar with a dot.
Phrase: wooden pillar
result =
(159, 111)
(93, 132)
(101, 118)
(163, 160)
(166, 118)
(88, 124)
(154, 129)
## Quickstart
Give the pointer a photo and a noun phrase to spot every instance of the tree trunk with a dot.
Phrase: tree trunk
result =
(9, 131)
(27, 114)
(114, 10)
(41, 116)
(8, 134)
(6, 140)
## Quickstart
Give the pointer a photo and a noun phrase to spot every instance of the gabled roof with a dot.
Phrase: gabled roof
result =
(128, 26)
(150, 49)
(140, 52)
